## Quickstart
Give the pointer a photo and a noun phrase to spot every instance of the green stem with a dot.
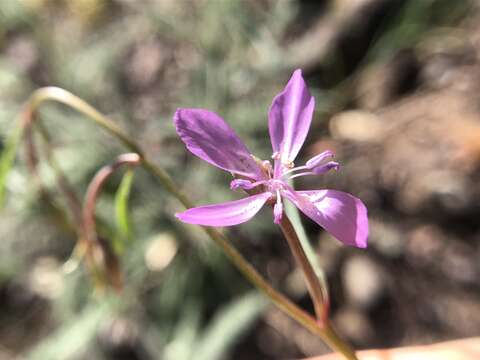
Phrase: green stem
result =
(32, 161)
(320, 302)
(324, 331)
(52, 93)
(317, 291)
(63, 184)
(294, 216)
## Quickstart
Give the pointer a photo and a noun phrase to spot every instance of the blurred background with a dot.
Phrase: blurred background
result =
(397, 86)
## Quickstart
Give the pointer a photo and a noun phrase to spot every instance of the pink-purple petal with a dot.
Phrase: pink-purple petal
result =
(341, 214)
(289, 120)
(225, 214)
(209, 137)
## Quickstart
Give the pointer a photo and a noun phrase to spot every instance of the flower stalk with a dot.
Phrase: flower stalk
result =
(100, 258)
(315, 288)
(318, 293)
(42, 95)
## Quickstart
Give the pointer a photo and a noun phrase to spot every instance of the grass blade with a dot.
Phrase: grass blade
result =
(124, 230)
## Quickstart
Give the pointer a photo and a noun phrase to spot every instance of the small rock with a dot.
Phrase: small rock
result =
(295, 284)
(459, 265)
(386, 237)
(363, 281)
(355, 325)
(160, 252)
(354, 125)
(424, 245)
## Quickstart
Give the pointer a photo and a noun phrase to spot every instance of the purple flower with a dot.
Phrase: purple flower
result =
(209, 137)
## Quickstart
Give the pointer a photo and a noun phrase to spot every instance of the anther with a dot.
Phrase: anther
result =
(317, 159)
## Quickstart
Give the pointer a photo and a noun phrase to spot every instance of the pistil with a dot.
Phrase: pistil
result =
(278, 209)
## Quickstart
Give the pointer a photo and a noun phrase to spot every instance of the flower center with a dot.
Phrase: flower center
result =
(274, 185)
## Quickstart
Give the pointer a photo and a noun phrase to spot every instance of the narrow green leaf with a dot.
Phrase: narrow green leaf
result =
(227, 326)
(7, 158)
(124, 231)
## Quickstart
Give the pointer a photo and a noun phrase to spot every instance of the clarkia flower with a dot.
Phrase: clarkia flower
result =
(209, 137)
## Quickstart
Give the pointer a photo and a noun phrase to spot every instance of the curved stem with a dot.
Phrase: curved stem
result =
(95, 187)
(324, 331)
(100, 258)
(52, 93)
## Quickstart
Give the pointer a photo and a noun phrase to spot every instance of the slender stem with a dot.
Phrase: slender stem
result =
(317, 293)
(32, 162)
(95, 187)
(63, 184)
(337, 343)
(324, 331)
(294, 217)
(52, 93)
(99, 256)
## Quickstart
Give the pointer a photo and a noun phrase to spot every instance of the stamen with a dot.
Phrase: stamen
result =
(288, 164)
(267, 166)
(317, 159)
(312, 164)
(245, 184)
(326, 167)
(301, 174)
(295, 169)
(319, 170)
(278, 209)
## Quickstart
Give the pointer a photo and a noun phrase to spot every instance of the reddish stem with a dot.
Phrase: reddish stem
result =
(95, 187)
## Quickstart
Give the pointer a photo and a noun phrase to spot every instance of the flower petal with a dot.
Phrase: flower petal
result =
(225, 214)
(341, 214)
(209, 137)
(289, 120)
